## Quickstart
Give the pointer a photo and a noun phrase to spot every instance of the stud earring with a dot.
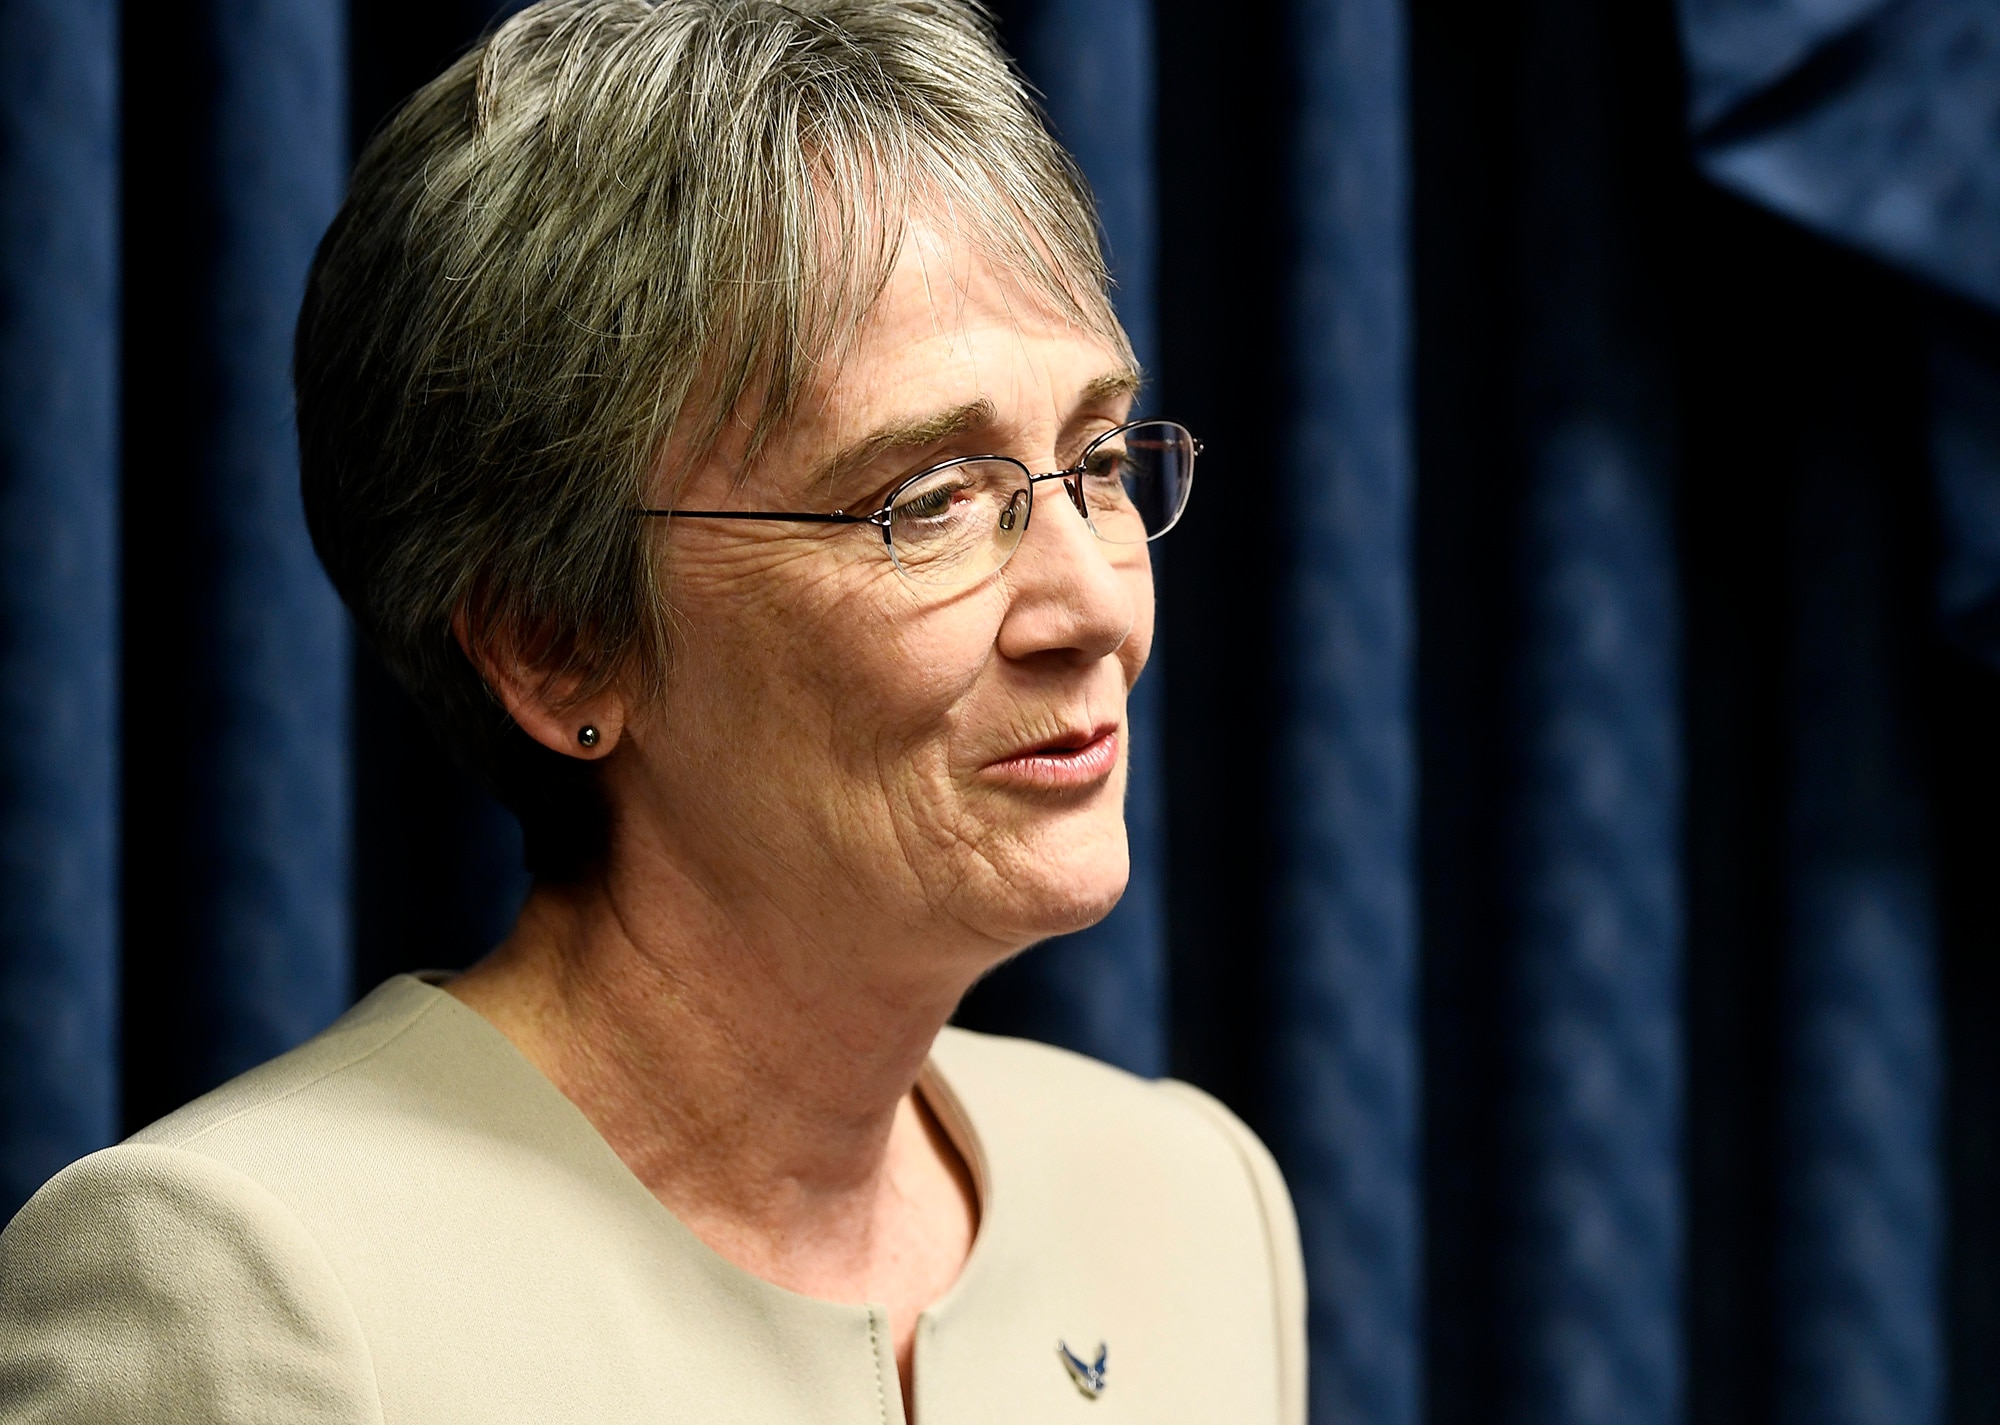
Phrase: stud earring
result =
(587, 735)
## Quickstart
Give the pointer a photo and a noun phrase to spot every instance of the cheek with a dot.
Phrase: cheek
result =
(896, 681)
(1138, 645)
(824, 660)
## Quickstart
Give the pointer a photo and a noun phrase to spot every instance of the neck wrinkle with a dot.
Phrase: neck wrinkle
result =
(763, 1093)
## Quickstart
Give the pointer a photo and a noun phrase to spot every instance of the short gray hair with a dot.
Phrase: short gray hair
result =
(612, 222)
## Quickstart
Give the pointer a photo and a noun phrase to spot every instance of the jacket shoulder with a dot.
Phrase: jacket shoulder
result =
(145, 1275)
(298, 1082)
(1113, 1133)
(1074, 1100)
(1281, 1236)
(1141, 1177)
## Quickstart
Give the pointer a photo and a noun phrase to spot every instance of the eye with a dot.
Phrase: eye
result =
(931, 500)
(928, 505)
(1107, 466)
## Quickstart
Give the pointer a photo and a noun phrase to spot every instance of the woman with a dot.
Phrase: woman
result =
(712, 411)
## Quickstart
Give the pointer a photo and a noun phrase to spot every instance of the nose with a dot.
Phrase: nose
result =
(1073, 596)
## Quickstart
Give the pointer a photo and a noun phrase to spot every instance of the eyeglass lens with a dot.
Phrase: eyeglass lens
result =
(959, 523)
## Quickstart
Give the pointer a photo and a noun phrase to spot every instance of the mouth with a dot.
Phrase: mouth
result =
(1076, 759)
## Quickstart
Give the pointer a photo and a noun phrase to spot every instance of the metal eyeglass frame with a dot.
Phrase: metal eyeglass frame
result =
(882, 518)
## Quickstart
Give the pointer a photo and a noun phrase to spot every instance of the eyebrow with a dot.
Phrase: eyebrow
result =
(940, 426)
(916, 434)
(1111, 385)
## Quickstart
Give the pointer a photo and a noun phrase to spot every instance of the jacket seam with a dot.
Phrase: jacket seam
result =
(295, 1090)
(881, 1391)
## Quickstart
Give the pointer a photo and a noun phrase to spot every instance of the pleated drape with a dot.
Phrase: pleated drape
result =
(236, 705)
(58, 586)
(1874, 124)
(1861, 1206)
(1591, 1280)
(1963, 386)
(1871, 120)
(1343, 1103)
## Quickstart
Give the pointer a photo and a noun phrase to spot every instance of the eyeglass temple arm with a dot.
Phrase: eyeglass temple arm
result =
(841, 516)
(800, 516)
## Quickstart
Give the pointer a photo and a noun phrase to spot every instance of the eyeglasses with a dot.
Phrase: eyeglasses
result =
(959, 521)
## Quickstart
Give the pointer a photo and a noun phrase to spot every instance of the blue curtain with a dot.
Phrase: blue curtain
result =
(1861, 1195)
(237, 786)
(58, 586)
(1342, 1104)
(1563, 798)
(1873, 124)
(1593, 1119)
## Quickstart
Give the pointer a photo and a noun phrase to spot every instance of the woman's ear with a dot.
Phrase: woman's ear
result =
(546, 708)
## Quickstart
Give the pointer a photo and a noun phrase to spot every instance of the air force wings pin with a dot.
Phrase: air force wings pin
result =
(1089, 1378)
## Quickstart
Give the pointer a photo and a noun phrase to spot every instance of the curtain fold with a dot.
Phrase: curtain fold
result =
(1737, 50)
(1343, 1097)
(1595, 1131)
(277, 912)
(58, 586)
(1861, 1338)
(1591, 1277)
(1963, 379)
(237, 815)
(1873, 124)
(1879, 132)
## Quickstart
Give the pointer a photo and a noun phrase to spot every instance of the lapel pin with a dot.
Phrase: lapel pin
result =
(1089, 1378)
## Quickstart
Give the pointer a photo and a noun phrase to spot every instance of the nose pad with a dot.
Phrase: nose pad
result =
(1074, 485)
(1010, 517)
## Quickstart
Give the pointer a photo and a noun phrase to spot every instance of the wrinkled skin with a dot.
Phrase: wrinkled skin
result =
(826, 739)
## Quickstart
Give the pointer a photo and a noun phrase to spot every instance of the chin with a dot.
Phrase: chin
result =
(1080, 914)
(1066, 898)
(1047, 874)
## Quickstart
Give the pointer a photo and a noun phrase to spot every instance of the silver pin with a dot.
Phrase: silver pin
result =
(1089, 1378)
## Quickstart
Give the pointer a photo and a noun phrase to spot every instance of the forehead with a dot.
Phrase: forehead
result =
(951, 327)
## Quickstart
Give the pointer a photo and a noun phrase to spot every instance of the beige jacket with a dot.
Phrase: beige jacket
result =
(403, 1222)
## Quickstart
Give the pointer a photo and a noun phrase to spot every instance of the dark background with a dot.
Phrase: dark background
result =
(1565, 822)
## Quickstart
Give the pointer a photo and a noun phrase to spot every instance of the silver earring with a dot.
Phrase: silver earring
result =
(587, 735)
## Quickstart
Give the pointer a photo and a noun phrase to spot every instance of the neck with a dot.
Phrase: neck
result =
(760, 1084)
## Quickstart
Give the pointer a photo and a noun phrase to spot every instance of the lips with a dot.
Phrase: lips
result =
(1068, 742)
(1078, 758)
